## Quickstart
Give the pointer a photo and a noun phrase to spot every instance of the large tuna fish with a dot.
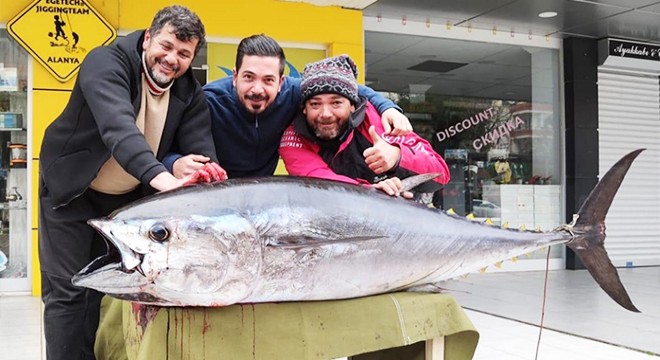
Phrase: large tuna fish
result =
(292, 239)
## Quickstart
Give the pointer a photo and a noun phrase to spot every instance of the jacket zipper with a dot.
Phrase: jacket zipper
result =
(256, 128)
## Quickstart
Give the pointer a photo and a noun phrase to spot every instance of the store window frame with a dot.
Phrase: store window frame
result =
(395, 27)
(19, 197)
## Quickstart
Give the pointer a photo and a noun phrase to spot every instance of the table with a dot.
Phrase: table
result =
(398, 322)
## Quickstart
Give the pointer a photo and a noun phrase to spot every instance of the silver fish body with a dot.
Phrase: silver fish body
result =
(293, 239)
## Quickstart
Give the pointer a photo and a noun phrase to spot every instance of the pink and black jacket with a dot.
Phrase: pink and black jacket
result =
(341, 159)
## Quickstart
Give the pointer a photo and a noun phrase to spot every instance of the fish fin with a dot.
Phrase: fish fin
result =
(429, 288)
(451, 211)
(489, 221)
(470, 216)
(433, 288)
(409, 183)
(303, 241)
(589, 232)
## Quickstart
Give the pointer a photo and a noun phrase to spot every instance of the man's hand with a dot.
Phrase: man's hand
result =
(187, 165)
(395, 123)
(392, 187)
(166, 181)
(382, 156)
(210, 172)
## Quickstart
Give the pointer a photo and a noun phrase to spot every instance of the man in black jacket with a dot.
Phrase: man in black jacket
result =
(132, 101)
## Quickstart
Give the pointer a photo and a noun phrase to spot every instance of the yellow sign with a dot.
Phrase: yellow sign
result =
(59, 33)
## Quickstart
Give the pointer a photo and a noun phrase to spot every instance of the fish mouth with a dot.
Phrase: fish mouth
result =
(120, 257)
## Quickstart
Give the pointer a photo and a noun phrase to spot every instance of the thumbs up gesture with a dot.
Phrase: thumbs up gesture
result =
(382, 156)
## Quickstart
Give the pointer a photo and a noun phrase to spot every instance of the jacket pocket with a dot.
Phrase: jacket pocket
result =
(68, 176)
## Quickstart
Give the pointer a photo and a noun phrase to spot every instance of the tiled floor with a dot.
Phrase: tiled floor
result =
(20, 328)
(582, 323)
(575, 305)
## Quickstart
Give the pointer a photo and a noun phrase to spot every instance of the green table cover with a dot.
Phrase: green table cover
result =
(294, 330)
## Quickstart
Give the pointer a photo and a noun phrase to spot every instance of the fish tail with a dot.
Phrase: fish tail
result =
(589, 231)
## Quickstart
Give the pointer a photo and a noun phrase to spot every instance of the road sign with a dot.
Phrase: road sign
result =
(59, 33)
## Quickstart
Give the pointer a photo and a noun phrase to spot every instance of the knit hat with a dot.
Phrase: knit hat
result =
(336, 75)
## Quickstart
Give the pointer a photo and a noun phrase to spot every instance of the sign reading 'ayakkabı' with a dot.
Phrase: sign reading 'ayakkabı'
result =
(59, 33)
(634, 50)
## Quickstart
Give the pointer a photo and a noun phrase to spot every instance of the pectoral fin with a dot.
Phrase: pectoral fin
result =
(410, 182)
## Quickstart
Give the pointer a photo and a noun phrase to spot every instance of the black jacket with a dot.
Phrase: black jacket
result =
(99, 121)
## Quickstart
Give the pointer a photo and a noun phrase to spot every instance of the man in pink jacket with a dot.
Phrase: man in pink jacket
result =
(338, 135)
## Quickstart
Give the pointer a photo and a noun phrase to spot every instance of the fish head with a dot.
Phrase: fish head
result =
(172, 261)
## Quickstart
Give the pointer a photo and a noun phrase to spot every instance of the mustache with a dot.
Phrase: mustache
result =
(255, 97)
(174, 67)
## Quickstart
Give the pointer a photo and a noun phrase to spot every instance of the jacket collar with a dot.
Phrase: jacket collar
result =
(154, 88)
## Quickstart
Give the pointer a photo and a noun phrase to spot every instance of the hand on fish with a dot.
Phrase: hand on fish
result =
(393, 187)
(210, 172)
(188, 164)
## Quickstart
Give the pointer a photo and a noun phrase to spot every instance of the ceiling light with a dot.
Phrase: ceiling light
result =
(436, 66)
(548, 14)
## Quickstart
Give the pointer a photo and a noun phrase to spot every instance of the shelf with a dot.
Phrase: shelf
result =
(13, 206)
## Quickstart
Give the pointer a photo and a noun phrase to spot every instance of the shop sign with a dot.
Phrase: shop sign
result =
(634, 50)
(464, 125)
(502, 129)
(59, 33)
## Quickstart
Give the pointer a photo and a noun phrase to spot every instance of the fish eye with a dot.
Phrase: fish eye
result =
(158, 232)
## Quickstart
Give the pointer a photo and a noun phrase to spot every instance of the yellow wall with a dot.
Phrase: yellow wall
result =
(340, 30)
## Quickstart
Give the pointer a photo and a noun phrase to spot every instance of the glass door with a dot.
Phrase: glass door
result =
(14, 239)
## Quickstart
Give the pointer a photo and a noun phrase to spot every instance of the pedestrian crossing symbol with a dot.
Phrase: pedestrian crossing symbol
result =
(59, 33)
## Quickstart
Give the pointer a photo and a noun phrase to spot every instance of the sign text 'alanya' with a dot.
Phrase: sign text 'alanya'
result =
(59, 33)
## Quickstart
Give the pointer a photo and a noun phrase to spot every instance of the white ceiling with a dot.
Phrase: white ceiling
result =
(629, 19)
(495, 70)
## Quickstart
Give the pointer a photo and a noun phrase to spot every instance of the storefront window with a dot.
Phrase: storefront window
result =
(13, 165)
(492, 111)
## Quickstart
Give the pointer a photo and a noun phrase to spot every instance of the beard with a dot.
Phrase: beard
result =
(326, 133)
(160, 79)
(256, 108)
